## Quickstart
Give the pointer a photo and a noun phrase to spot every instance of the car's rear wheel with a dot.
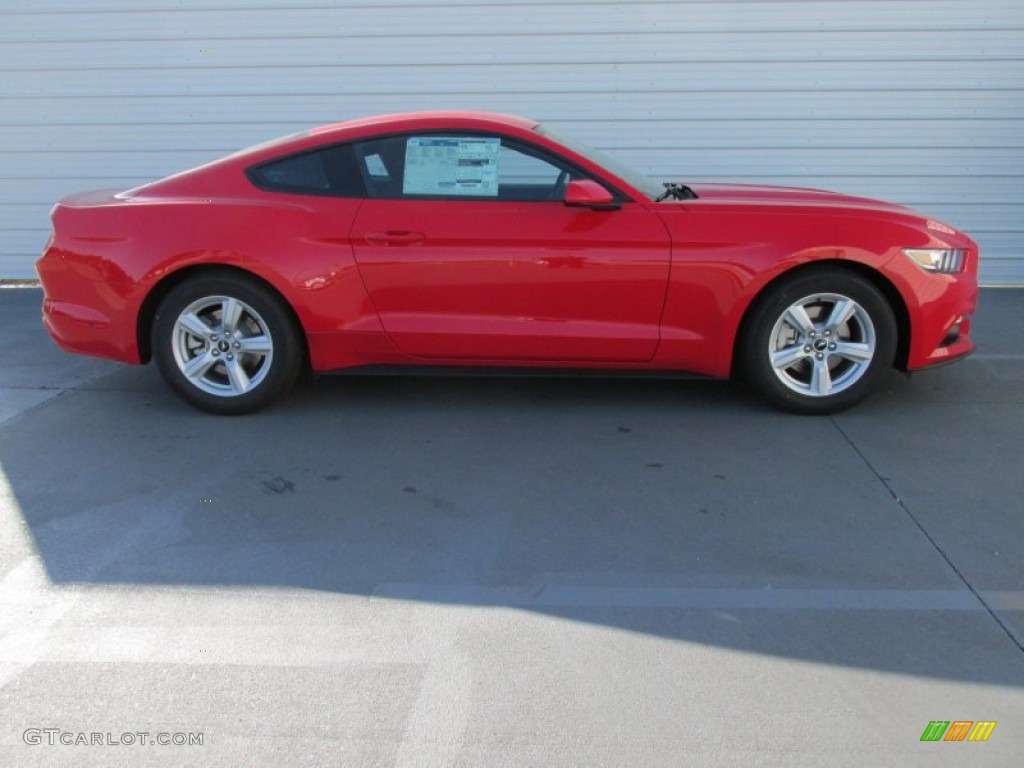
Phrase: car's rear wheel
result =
(226, 344)
(819, 341)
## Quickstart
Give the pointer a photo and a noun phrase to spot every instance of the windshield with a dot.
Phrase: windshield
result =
(648, 186)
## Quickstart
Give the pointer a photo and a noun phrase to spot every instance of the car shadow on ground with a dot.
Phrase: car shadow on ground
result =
(680, 509)
(683, 509)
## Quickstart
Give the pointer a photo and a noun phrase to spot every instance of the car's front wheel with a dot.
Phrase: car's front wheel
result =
(818, 342)
(226, 344)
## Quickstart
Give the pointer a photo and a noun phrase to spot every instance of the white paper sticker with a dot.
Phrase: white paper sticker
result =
(375, 166)
(451, 165)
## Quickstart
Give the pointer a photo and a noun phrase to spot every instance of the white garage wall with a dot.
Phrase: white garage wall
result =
(917, 101)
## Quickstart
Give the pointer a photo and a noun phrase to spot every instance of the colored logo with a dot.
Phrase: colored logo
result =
(958, 730)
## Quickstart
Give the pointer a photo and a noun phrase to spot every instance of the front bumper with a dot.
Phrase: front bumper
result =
(940, 308)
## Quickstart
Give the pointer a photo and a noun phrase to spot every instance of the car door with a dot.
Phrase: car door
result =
(469, 253)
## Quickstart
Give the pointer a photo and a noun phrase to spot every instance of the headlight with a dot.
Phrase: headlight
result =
(937, 259)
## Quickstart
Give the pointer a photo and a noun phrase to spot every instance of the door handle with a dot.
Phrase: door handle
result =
(395, 237)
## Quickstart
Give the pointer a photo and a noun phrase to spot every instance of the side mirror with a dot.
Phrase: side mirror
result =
(586, 193)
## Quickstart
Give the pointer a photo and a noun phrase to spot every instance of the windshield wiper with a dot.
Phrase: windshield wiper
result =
(676, 192)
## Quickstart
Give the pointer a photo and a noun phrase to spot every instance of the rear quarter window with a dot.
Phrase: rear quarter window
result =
(331, 172)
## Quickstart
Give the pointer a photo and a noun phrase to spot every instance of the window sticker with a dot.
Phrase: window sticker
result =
(375, 166)
(456, 165)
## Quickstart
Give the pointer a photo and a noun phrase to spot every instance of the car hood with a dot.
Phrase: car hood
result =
(796, 196)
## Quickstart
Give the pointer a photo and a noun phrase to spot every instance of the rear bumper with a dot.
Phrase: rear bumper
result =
(87, 331)
(84, 316)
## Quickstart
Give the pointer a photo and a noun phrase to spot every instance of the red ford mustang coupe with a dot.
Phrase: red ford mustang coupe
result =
(482, 240)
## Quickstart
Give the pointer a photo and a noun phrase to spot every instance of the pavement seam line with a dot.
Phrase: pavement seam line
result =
(60, 392)
(57, 391)
(931, 540)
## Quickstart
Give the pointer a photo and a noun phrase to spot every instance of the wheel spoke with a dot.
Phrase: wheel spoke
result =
(841, 312)
(821, 378)
(822, 344)
(784, 358)
(856, 352)
(237, 375)
(236, 353)
(230, 314)
(254, 344)
(199, 365)
(797, 317)
(195, 325)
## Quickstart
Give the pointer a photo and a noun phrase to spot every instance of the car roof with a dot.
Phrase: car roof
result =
(418, 121)
(432, 119)
(380, 124)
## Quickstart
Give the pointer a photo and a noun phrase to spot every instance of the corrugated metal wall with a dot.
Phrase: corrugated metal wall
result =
(917, 101)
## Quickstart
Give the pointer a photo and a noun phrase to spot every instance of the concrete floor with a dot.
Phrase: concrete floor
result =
(488, 572)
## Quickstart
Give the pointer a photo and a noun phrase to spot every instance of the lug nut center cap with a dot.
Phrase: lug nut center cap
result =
(820, 345)
(223, 346)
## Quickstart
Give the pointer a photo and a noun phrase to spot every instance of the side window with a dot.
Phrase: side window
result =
(301, 172)
(331, 171)
(460, 166)
(527, 175)
(381, 164)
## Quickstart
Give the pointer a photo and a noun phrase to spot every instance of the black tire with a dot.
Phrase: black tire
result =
(235, 369)
(805, 363)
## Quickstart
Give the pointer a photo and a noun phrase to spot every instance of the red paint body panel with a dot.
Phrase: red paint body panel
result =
(659, 286)
(513, 280)
(733, 241)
